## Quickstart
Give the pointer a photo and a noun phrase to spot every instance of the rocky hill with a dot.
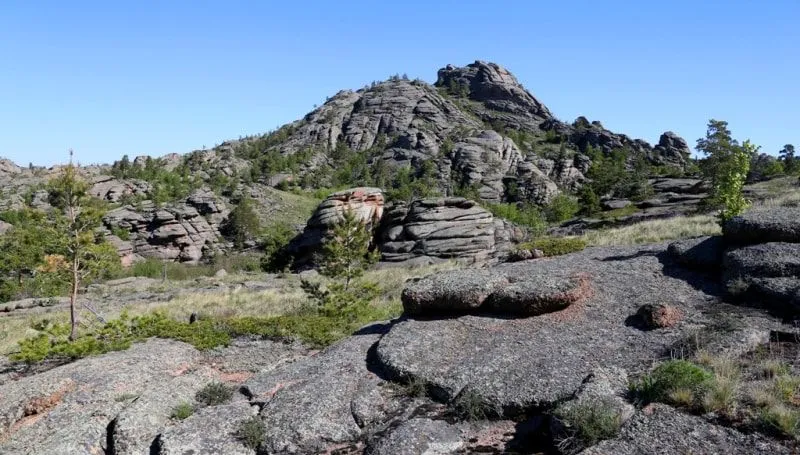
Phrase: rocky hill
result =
(478, 126)
(477, 133)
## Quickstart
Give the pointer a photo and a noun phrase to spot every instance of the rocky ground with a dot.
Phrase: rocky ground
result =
(478, 363)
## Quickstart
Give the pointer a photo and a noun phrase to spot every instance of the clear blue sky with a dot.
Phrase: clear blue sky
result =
(111, 78)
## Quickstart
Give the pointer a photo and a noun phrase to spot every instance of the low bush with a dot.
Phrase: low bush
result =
(214, 394)
(555, 246)
(252, 432)
(589, 423)
(182, 411)
(471, 407)
(561, 208)
(522, 214)
(781, 419)
(677, 382)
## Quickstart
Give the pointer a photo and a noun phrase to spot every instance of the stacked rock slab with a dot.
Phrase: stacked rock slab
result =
(758, 256)
(444, 228)
(424, 231)
(365, 203)
(180, 232)
(762, 262)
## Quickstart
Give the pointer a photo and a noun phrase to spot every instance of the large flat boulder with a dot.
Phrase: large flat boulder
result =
(762, 225)
(510, 290)
(700, 253)
(331, 398)
(420, 436)
(515, 364)
(774, 267)
(210, 431)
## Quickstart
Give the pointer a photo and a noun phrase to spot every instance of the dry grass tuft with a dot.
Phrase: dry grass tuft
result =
(655, 231)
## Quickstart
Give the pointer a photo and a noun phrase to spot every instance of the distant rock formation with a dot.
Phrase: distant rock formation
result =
(180, 232)
(425, 231)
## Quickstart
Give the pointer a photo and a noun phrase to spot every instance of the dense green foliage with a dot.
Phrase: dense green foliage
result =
(555, 246)
(242, 224)
(274, 239)
(791, 163)
(168, 184)
(561, 208)
(672, 381)
(726, 165)
(522, 214)
(345, 256)
(310, 326)
(619, 175)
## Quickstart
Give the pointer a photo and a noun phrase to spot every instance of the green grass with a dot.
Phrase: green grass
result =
(590, 422)
(214, 394)
(182, 411)
(654, 231)
(251, 432)
(555, 246)
(154, 268)
(676, 382)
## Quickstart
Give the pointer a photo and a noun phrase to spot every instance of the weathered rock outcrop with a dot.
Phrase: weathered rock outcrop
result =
(491, 358)
(764, 225)
(427, 230)
(182, 232)
(366, 204)
(68, 409)
(660, 429)
(511, 290)
(110, 189)
(758, 254)
(444, 228)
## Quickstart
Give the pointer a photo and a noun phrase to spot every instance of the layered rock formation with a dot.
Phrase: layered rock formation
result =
(425, 231)
(184, 232)
(407, 122)
(366, 204)
(758, 256)
(444, 228)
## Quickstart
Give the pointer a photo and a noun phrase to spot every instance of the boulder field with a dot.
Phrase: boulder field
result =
(477, 364)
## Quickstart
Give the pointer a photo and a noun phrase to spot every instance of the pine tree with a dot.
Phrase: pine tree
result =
(77, 221)
(243, 223)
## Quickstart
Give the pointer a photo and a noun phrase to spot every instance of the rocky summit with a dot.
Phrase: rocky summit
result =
(495, 359)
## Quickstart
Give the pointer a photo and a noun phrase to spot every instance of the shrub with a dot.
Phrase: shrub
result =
(555, 246)
(780, 418)
(561, 208)
(214, 394)
(242, 224)
(122, 233)
(182, 411)
(590, 422)
(522, 214)
(275, 238)
(251, 432)
(471, 407)
(672, 381)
